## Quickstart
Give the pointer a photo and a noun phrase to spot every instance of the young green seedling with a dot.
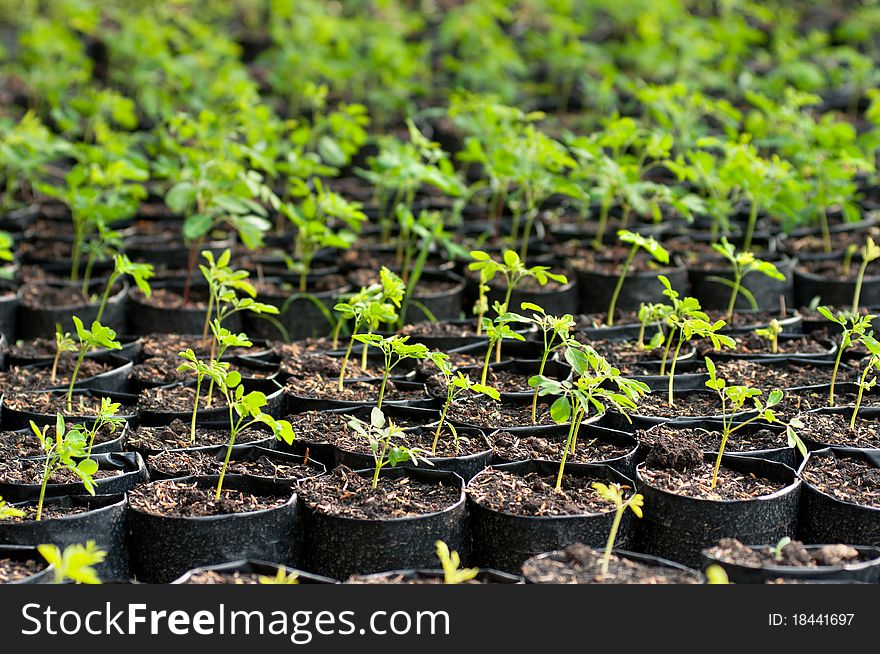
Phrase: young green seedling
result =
(89, 339)
(395, 349)
(865, 384)
(513, 270)
(75, 562)
(213, 369)
(870, 253)
(743, 264)
(776, 550)
(453, 573)
(8, 512)
(456, 383)
(734, 400)
(555, 333)
(66, 450)
(855, 327)
(481, 305)
(615, 493)
(496, 331)
(638, 242)
(687, 328)
(716, 575)
(381, 436)
(652, 314)
(122, 267)
(63, 343)
(281, 578)
(107, 416)
(771, 333)
(679, 311)
(597, 385)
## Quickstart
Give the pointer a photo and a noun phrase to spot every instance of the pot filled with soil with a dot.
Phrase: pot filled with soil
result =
(23, 565)
(167, 310)
(177, 525)
(827, 279)
(22, 443)
(249, 573)
(791, 559)
(102, 372)
(41, 407)
(834, 427)
(351, 527)
(437, 295)
(42, 305)
(177, 435)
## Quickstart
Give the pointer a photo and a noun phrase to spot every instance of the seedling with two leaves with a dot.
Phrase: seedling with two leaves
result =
(771, 333)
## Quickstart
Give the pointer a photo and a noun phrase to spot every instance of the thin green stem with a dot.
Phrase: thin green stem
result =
(672, 370)
(855, 413)
(626, 264)
(612, 536)
(834, 374)
(79, 360)
(572, 431)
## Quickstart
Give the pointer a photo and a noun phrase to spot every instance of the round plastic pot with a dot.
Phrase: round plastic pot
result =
(147, 318)
(504, 541)
(447, 343)
(443, 305)
(596, 287)
(833, 291)
(339, 546)
(243, 453)
(484, 576)
(826, 519)
(646, 559)
(104, 523)
(865, 413)
(864, 572)
(114, 380)
(167, 251)
(162, 548)
(9, 316)
(464, 466)
(617, 332)
(14, 419)
(679, 528)
(555, 301)
(733, 355)
(791, 323)
(527, 351)
(24, 554)
(274, 396)
(131, 350)
(616, 420)
(34, 322)
(714, 295)
(255, 568)
(252, 371)
(130, 464)
(299, 403)
(301, 315)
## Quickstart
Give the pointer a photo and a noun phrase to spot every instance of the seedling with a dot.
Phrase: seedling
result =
(871, 252)
(716, 575)
(855, 327)
(771, 333)
(496, 331)
(63, 343)
(456, 383)
(453, 573)
(556, 334)
(395, 349)
(614, 493)
(214, 369)
(281, 578)
(734, 400)
(89, 339)
(776, 550)
(677, 312)
(652, 314)
(8, 512)
(107, 416)
(638, 242)
(481, 305)
(75, 562)
(597, 385)
(122, 267)
(873, 347)
(382, 436)
(687, 328)
(744, 264)
(514, 270)
(66, 450)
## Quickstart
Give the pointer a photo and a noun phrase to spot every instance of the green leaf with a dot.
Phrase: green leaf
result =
(560, 410)
(196, 225)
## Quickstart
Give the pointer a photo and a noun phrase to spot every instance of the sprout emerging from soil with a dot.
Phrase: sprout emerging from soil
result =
(453, 573)
(75, 562)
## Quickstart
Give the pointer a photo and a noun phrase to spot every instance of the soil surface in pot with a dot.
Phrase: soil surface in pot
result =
(845, 479)
(213, 577)
(423, 439)
(39, 296)
(17, 444)
(166, 298)
(833, 429)
(511, 447)
(30, 471)
(750, 343)
(163, 370)
(199, 463)
(467, 363)
(325, 388)
(794, 554)
(50, 511)
(833, 269)
(317, 284)
(708, 440)
(610, 259)
(186, 499)
(179, 399)
(40, 378)
(345, 493)
(840, 242)
(409, 580)
(778, 374)
(619, 353)
(681, 470)
(477, 410)
(535, 495)
(11, 570)
(51, 403)
(687, 404)
(170, 345)
(596, 320)
(426, 329)
(579, 564)
(367, 276)
(743, 319)
(176, 435)
(318, 369)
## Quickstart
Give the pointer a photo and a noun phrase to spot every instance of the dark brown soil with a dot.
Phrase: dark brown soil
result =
(846, 479)
(710, 440)
(701, 405)
(40, 296)
(579, 564)
(36, 379)
(161, 370)
(439, 329)
(506, 381)
(17, 570)
(744, 319)
(794, 554)
(298, 348)
(183, 500)
(778, 374)
(750, 343)
(833, 268)
(344, 493)
(194, 463)
(833, 429)
(171, 345)
(535, 495)
(213, 577)
(30, 471)
(619, 353)
(176, 435)
(17, 444)
(840, 241)
(420, 438)
(457, 361)
(180, 399)
(310, 367)
(485, 412)
(319, 426)
(425, 287)
(51, 403)
(36, 349)
(509, 447)
(595, 320)
(50, 511)
(165, 298)
(409, 580)
(319, 388)
(610, 260)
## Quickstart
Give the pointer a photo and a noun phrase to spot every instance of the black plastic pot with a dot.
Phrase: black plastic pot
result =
(596, 287)
(646, 559)
(162, 548)
(826, 519)
(443, 305)
(833, 291)
(33, 322)
(20, 419)
(504, 541)
(767, 291)
(791, 323)
(298, 403)
(865, 413)
(256, 568)
(24, 554)
(114, 380)
(130, 351)
(556, 301)
(103, 522)
(526, 368)
(338, 546)
(9, 316)
(167, 250)
(735, 355)
(616, 420)
(447, 343)
(864, 572)
(274, 396)
(115, 444)
(129, 463)
(527, 352)
(148, 318)
(679, 528)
